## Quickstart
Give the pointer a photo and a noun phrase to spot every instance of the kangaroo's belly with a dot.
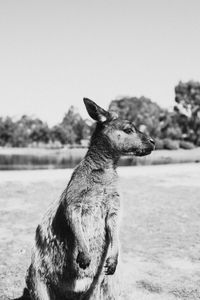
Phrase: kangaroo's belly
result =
(93, 225)
(94, 231)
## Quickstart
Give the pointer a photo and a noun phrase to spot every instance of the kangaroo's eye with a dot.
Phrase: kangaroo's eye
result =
(128, 130)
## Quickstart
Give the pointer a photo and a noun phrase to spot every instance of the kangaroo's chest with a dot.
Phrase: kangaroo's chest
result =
(99, 201)
(95, 209)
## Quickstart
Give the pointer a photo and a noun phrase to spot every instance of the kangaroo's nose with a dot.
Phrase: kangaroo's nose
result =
(152, 141)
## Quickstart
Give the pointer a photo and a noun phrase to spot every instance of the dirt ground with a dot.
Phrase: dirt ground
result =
(160, 228)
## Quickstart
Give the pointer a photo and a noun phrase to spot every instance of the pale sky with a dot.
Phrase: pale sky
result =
(54, 53)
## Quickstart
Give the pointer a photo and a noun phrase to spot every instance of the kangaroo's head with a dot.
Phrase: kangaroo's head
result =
(117, 135)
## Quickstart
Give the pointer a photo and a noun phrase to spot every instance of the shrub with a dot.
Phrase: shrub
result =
(186, 145)
(171, 144)
(159, 144)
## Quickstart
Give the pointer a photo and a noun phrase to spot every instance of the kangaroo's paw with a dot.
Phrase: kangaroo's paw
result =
(83, 260)
(110, 265)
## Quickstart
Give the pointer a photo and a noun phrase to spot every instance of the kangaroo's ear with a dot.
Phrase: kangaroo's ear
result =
(96, 112)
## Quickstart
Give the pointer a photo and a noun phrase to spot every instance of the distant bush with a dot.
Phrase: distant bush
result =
(28, 131)
(171, 144)
(186, 145)
(187, 109)
(159, 144)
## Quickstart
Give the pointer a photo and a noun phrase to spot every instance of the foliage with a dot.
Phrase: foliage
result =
(170, 127)
(182, 124)
(74, 126)
(7, 130)
(170, 144)
(187, 110)
(40, 133)
(58, 134)
(186, 145)
(159, 144)
(28, 130)
(22, 132)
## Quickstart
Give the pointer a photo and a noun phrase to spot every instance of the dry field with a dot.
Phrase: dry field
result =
(160, 230)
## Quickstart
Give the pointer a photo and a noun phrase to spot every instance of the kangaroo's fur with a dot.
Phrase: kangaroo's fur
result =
(76, 244)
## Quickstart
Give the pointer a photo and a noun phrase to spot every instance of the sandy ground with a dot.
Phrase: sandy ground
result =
(160, 230)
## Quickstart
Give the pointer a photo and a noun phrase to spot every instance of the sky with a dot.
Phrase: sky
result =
(54, 53)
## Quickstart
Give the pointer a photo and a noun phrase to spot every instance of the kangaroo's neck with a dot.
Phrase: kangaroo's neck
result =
(101, 156)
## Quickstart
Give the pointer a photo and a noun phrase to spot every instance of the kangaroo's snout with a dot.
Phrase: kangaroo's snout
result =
(146, 146)
(152, 141)
(152, 144)
(144, 149)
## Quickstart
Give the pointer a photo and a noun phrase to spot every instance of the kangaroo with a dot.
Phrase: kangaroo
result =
(76, 245)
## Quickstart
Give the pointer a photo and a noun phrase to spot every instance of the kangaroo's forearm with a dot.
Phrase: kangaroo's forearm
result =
(113, 253)
(74, 218)
(112, 229)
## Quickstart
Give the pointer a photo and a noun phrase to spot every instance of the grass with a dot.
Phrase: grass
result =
(160, 230)
(34, 158)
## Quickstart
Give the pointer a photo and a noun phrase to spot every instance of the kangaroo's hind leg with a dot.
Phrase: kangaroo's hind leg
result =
(43, 292)
(38, 289)
(106, 289)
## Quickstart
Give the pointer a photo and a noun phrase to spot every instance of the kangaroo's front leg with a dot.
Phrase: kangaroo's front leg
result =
(74, 219)
(112, 229)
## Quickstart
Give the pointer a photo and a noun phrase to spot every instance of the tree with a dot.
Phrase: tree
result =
(7, 128)
(21, 134)
(74, 126)
(40, 132)
(58, 133)
(187, 110)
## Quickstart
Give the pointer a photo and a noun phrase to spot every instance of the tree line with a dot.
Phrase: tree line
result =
(171, 129)
(29, 131)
